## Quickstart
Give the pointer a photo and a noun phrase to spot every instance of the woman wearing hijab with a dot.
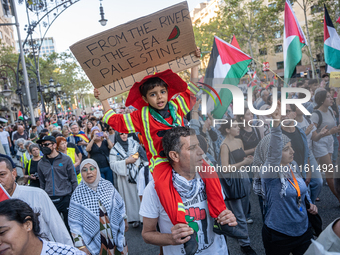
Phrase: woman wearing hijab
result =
(286, 227)
(127, 157)
(96, 213)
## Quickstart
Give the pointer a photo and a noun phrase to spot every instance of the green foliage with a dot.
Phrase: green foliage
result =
(252, 22)
(9, 58)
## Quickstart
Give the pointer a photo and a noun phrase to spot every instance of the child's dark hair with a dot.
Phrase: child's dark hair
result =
(20, 212)
(150, 84)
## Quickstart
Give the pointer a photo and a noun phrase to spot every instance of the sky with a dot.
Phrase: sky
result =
(81, 20)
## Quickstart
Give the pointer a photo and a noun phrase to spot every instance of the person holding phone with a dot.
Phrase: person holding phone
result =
(99, 150)
(126, 162)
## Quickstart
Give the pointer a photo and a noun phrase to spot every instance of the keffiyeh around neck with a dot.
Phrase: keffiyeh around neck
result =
(94, 184)
(185, 188)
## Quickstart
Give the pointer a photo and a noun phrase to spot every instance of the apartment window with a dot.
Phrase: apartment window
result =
(277, 34)
(279, 65)
(1, 37)
(278, 48)
(263, 51)
(51, 47)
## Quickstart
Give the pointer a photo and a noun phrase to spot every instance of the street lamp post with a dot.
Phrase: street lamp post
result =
(102, 21)
(54, 91)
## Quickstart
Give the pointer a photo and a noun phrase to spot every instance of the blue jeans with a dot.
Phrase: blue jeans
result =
(106, 173)
(7, 149)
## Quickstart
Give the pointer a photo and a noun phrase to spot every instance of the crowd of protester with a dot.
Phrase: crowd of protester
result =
(81, 182)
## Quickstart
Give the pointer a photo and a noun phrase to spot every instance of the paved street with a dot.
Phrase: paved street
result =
(328, 207)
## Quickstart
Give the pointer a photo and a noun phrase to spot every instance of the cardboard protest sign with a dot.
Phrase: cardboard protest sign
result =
(117, 58)
(88, 110)
(78, 112)
(334, 79)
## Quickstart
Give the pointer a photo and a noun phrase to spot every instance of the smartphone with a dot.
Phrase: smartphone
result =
(100, 134)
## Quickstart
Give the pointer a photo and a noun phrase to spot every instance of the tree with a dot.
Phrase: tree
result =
(255, 25)
(315, 8)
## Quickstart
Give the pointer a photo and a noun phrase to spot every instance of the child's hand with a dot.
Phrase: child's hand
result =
(96, 93)
(198, 52)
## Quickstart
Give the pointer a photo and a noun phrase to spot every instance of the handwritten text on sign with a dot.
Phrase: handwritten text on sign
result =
(115, 59)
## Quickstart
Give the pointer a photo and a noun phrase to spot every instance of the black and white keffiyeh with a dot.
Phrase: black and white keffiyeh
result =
(84, 214)
(122, 154)
(185, 188)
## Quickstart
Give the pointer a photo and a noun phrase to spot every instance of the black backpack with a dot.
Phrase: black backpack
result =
(320, 117)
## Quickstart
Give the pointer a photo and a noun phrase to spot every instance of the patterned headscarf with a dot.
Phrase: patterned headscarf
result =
(94, 184)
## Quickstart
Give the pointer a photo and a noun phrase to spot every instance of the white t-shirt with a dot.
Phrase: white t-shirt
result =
(197, 215)
(60, 249)
(303, 125)
(3, 137)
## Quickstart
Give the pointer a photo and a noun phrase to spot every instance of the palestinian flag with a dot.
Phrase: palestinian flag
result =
(331, 45)
(227, 65)
(20, 116)
(3, 194)
(293, 42)
(234, 42)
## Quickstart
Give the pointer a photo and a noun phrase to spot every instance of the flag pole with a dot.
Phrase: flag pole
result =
(271, 71)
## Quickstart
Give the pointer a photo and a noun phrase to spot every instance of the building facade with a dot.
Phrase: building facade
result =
(47, 46)
(6, 32)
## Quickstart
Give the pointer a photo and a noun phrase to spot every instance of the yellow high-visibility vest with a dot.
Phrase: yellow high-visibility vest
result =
(71, 152)
(29, 169)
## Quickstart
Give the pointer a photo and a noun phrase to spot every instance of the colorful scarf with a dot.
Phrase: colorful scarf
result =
(83, 136)
(107, 244)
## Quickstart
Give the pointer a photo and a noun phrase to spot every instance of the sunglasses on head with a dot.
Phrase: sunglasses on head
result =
(85, 169)
(46, 144)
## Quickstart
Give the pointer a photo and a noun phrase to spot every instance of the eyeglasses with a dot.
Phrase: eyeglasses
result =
(46, 144)
(85, 169)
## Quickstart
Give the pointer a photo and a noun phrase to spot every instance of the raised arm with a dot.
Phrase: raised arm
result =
(275, 146)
